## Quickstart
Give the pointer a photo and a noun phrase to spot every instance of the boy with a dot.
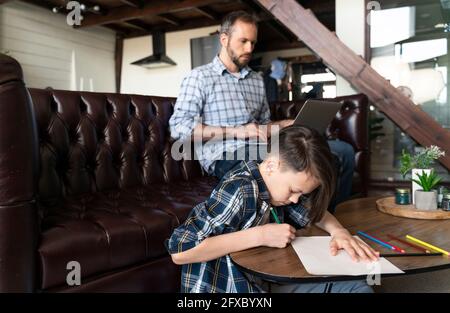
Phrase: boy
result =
(296, 180)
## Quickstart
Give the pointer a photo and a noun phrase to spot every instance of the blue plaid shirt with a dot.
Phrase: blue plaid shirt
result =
(213, 96)
(238, 202)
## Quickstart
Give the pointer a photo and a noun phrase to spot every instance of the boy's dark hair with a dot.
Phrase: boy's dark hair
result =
(230, 19)
(304, 149)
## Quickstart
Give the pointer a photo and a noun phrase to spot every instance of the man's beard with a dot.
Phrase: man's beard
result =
(235, 58)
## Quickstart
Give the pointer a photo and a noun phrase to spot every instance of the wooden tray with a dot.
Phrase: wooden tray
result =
(388, 205)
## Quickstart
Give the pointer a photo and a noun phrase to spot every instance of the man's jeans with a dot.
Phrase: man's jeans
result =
(346, 156)
(343, 152)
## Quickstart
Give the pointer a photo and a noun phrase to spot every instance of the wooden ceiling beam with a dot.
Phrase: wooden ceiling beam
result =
(208, 13)
(136, 25)
(140, 25)
(118, 29)
(133, 3)
(191, 24)
(345, 62)
(90, 5)
(169, 18)
(152, 8)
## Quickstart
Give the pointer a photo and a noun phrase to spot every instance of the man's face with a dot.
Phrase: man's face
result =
(285, 185)
(240, 43)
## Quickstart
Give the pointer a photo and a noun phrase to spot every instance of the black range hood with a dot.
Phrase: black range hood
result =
(159, 57)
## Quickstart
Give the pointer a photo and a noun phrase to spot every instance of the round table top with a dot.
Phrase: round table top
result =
(283, 265)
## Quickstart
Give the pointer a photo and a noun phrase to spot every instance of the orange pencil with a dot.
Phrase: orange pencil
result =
(409, 243)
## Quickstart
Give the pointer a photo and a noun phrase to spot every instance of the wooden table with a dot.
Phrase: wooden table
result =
(283, 265)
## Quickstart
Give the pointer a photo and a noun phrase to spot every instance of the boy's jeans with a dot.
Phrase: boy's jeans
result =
(351, 286)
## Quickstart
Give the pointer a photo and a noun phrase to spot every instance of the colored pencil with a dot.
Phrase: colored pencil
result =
(398, 249)
(275, 216)
(376, 240)
(387, 255)
(426, 244)
(409, 243)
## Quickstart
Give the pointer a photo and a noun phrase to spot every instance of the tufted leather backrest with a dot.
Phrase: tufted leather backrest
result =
(92, 142)
(97, 142)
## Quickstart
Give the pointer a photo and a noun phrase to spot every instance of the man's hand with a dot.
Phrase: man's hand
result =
(286, 123)
(275, 127)
(262, 132)
(252, 131)
(276, 235)
(358, 249)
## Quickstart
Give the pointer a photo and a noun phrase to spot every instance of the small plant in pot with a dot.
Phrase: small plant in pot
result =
(419, 163)
(426, 198)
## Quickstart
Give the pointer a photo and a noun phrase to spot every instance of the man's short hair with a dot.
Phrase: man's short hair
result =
(230, 19)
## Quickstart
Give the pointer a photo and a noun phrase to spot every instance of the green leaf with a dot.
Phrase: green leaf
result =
(427, 181)
(435, 180)
(405, 163)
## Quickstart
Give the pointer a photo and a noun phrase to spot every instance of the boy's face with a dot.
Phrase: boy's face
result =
(285, 185)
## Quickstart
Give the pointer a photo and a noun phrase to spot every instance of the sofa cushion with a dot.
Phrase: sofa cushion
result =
(108, 231)
(179, 198)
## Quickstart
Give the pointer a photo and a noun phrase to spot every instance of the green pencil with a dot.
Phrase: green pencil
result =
(275, 216)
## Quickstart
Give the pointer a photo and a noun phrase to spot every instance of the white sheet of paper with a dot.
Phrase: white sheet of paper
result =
(314, 252)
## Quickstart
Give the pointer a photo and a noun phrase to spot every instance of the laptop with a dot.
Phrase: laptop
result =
(317, 114)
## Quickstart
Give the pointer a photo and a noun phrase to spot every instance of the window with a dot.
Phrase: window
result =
(409, 47)
(329, 83)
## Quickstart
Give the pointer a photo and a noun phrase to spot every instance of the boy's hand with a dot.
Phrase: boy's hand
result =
(277, 235)
(358, 250)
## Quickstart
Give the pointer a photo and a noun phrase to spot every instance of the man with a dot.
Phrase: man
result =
(225, 98)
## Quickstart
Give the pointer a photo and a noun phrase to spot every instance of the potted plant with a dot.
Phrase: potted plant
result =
(418, 164)
(426, 198)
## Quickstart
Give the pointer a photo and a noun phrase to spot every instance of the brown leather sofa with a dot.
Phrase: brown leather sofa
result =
(88, 177)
